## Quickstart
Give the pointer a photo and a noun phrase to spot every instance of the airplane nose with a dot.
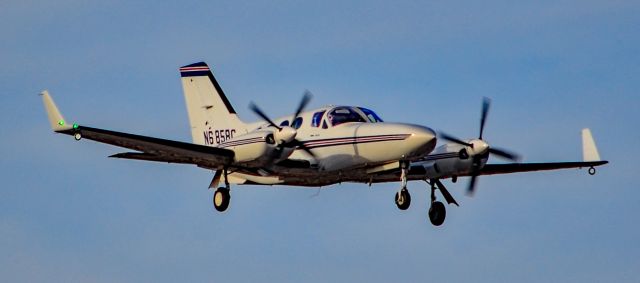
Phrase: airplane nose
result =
(422, 139)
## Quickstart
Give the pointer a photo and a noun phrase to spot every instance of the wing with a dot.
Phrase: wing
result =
(492, 169)
(149, 148)
(590, 158)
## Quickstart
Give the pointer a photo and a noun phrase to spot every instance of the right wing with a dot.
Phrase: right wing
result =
(149, 148)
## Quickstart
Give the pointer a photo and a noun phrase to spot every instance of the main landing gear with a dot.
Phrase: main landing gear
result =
(221, 199)
(222, 196)
(437, 211)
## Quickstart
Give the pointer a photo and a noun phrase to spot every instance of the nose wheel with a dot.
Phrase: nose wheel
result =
(403, 198)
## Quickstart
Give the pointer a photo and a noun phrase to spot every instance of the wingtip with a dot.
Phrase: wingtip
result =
(589, 148)
(56, 120)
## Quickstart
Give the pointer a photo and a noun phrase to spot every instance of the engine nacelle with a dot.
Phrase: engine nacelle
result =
(256, 149)
(447, 167)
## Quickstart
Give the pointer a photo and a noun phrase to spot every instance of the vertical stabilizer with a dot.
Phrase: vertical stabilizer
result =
(211, 116)
(589, 149)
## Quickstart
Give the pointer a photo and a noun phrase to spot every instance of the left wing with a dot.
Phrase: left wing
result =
(590, 159)
(492, 169)
(150, 148)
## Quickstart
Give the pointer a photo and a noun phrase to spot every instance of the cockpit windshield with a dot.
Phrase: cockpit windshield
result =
(372, 116)
(340, 115)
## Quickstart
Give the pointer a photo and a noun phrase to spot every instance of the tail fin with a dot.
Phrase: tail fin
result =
(213, 120)
(589, 149)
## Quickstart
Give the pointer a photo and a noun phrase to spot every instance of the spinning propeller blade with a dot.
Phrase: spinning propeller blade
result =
(486, 102)
(295, 142)
(306, 97)
(259, 112)
(472, 185)
(454, 139)
(505, 154)
(301, 145)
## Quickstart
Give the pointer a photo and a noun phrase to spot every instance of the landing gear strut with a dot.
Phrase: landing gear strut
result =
(403, 198)
(222, 197)
(437, 211)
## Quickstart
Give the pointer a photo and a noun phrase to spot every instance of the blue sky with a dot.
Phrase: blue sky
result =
(68, 213)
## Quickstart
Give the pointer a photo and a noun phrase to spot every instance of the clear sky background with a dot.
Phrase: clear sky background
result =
(68, 213)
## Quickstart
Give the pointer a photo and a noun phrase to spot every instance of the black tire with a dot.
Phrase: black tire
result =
(403, 199)
(437, 213)
(221, 199)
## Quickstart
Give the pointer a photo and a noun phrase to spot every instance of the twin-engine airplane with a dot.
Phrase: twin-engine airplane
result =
(324, 146)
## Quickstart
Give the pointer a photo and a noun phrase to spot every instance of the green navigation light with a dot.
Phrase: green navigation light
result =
(75, 126)
(61, 122)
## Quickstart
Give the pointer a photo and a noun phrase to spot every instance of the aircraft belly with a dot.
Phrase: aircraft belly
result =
(377, 152)
(337, 157)
(310, 179)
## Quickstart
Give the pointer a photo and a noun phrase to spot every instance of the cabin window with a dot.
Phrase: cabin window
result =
(296, 123)
(317, 117)
(340, 115)
(284, 123)
(372, 116)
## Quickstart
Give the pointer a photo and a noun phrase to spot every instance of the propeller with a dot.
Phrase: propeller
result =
(486, 103)
(480, 148)
(259, 112)
(306, 97)
(455, 140)
(286, 135)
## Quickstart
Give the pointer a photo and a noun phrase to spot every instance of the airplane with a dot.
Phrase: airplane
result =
(316, 148)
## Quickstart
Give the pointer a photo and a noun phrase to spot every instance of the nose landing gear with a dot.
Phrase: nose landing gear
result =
(403, 198)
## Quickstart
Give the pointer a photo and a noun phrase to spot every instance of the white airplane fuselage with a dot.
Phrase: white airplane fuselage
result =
(340, 147)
